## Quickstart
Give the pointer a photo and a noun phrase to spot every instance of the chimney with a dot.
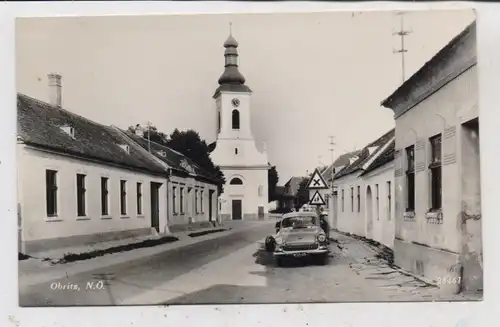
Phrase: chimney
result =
(55, 89)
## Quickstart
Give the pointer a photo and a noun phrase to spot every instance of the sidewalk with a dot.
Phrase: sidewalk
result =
(34, 270)
(399, 285)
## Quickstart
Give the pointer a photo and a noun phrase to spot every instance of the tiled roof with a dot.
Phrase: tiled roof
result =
(384, 158)
(364, 156)
(341, 161)
(39, 124)
(171, 157)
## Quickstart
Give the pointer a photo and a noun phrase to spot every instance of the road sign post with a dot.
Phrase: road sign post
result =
(317, 182)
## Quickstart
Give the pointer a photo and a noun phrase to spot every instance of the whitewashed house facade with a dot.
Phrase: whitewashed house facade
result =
(356, 194)
(245, 167)
(437, 174)
(80, 181)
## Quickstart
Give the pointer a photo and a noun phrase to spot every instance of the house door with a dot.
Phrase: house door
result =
(369, 213)
(236, 213)
(155, 206)
(210, 205)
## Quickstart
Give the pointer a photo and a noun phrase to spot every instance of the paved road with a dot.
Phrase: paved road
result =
(234, 269)
(125, 280)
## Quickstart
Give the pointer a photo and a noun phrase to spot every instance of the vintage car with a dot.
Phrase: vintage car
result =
(298, 235)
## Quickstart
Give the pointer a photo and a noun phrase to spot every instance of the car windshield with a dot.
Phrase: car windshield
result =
(299, 222)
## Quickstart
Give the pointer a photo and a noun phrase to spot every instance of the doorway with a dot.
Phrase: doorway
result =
(236, 212)
(155, 205)
(369, 213)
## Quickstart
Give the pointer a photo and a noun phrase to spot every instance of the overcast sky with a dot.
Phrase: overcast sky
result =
(313, 74)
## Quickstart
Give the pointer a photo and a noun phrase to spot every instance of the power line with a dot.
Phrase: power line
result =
(402, 33)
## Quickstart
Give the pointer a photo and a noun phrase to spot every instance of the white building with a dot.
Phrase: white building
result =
(437, 175)
(356, 210)
(245, 167)
(192, 192)
(80, 181)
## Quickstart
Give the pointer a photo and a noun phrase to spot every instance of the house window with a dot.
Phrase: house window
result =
(378, 203)
(389, 200)
(236, 119)
(342, 200)
(174, 199)
(352, 199)
(123, 198)
(104, 196)
(359, 199)
(201, 201)
(80, 195)
(196, 201)
(51, 192)
(181, 200)
(410, 178)
(139, 198)
(235, 150)
(435, 168)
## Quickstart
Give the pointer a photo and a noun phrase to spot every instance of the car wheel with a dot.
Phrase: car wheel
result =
(270, 244)
(322, 259)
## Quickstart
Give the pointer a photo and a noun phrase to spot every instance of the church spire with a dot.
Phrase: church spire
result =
(231, 73)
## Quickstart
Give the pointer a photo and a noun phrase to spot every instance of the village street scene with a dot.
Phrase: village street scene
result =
(291, 158)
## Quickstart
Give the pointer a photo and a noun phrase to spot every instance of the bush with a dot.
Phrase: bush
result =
(205, 232)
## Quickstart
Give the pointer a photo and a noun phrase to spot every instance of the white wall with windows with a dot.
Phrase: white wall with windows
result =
(379, 204)
(433, 199)
(62, 197)
(189, 201)
(350, 209)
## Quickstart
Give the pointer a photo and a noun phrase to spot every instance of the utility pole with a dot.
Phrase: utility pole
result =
(402, 33)
(332, 148)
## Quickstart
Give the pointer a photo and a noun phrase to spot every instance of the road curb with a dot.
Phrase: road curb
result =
(129, 257)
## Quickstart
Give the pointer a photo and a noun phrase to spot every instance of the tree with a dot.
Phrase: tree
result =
(272, 181)
(151, 132)
(190, 144)
(302, 194)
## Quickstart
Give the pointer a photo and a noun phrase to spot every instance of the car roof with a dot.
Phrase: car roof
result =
(300, 214)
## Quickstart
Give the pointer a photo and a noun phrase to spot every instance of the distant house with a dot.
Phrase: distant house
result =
(437, 167)
(354, 197)
(290, 192)
(80, 181)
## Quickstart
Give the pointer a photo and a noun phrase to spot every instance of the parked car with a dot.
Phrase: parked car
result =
(298, 235)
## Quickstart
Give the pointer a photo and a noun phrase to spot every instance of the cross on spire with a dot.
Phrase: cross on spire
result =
(230, 28)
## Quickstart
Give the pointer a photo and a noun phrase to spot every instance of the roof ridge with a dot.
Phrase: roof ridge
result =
(54, 107)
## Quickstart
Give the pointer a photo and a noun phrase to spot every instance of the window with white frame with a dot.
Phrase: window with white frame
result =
(435, 171)
(51, 192)
(80, 195)
(410, 178)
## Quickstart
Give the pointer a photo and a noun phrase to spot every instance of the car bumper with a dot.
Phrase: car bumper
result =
(297, 253)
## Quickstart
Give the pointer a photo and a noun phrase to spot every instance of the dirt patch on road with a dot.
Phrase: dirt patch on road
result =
(206, 232)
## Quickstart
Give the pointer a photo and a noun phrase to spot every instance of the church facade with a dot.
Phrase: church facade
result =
(245, 167)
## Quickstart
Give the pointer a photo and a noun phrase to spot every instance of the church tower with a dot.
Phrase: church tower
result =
(245, 167)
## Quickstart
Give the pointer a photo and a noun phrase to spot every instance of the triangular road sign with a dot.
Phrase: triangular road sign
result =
(316, 182)
(317, 200)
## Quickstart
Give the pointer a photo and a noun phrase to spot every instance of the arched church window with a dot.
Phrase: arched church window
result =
(218, 122)
(236, 181)
(261, 190)
(235, 150)
(236, 119)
